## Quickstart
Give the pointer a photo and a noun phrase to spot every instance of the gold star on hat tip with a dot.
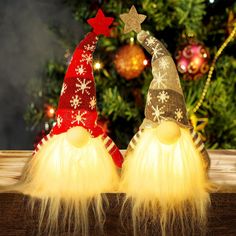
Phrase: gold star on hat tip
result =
(132, 20)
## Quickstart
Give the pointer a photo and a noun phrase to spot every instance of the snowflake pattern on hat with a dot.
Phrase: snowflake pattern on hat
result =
(178, 114)
(159, 80)
(83, 86)
(92, 103)
(77, 103)
(78, 118)
(158, 113)
(165, 100)
(151, 41)
(80, 70)
(149, 98)
(59, 121)
(164, 64)
(157, 51)
(163, 96)
(64, 87)
(86, 58)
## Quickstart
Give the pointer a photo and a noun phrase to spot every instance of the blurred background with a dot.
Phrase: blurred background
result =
(38, 38)
(27, 42)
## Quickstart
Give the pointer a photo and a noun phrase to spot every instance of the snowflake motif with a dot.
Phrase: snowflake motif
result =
(158, 112)
(87, 58)
(75, 101)
(157, 51)
(59, 121)
(92, 103)
(164, 63)
(89, 47)
(83, 86)
(80, 70)
(178, 114)
(149, 98)
(63, 90)
(150, 41)
(163, 96)
(159, 79)
(78, 118)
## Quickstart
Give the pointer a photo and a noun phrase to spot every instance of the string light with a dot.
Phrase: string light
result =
(97, 65)
(210, 73)
(50, 111)
(145, 62)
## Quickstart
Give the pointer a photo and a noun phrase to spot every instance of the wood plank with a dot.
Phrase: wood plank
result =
(16, 219)
(222, 170)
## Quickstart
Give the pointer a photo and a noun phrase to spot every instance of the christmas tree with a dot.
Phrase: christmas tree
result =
(199, 34)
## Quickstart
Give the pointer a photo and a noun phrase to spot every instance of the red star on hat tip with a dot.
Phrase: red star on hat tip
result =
(100, 23)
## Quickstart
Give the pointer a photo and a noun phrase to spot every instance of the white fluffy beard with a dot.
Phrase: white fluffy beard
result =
(69, 181)
(166, 185)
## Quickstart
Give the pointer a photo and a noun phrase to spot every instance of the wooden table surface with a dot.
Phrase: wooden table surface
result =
(17, 220)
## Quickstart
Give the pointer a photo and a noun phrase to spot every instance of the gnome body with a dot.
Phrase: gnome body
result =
(164, 172)
(77, 162)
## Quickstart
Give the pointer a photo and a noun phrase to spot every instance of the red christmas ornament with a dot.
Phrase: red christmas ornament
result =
(192, 61)
(100, 23)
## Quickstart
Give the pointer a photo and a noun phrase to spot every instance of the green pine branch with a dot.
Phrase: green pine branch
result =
(117, 98)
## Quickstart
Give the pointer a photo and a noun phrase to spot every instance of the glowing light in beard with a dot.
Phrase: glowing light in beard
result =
(165, 183)
(69, 178)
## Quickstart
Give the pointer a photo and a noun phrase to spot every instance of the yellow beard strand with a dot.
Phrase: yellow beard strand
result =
(69, 180)
(166, 183)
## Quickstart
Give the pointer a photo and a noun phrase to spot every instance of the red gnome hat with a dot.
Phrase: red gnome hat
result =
(77, 104)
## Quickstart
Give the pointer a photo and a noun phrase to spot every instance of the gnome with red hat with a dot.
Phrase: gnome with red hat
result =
(164, 172)
(77, 162)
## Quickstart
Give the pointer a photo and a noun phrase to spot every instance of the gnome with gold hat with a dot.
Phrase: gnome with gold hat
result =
(164, 172)
(77, 162)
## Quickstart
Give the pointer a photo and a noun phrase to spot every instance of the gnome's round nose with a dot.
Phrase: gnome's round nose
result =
(78, 136)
